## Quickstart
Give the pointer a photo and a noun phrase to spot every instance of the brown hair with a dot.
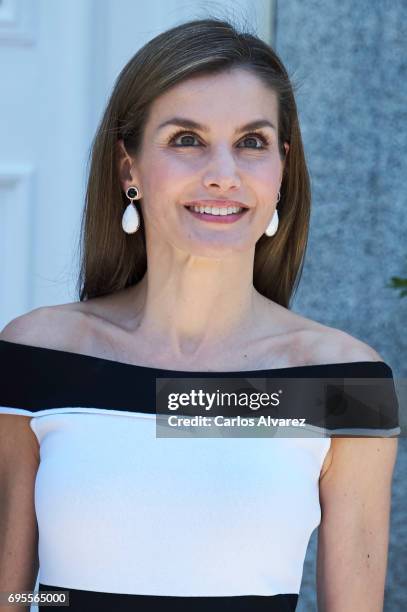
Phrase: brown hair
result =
(110, 259)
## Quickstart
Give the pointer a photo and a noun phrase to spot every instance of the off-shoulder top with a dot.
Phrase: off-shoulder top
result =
(131, 521)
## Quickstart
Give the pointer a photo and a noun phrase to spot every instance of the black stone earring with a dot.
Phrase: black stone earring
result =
(131, 217)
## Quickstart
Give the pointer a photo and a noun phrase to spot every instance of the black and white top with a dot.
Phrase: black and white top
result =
(128, 521)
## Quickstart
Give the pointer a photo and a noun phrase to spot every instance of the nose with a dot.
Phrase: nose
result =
(221, 170)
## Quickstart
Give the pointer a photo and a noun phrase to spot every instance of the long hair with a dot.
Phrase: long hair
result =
(110, 259)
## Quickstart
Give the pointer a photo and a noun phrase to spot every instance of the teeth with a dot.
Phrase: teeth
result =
(213, 210)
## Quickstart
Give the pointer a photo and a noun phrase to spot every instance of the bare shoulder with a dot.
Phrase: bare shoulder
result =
(315, 343)
(18, 444)
(60, 326)
(337, 346)
(331, 345)
(52, 327)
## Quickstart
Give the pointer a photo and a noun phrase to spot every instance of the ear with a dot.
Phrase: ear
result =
(287, 148)
(125, 167)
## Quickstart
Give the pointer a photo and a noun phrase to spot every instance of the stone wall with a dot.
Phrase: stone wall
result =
(349, 63)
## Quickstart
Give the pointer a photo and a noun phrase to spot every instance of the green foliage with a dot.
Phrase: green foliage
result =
(400, 284)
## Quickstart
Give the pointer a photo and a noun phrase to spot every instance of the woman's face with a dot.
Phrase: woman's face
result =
(180, 164)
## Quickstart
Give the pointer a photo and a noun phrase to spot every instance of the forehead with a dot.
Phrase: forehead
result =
(235, 95)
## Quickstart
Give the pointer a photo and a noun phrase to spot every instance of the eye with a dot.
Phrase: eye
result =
(256, 135)
(252, 136)
(183, 134)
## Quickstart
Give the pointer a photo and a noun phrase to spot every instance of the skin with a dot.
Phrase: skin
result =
(198, 295)
(196, 307)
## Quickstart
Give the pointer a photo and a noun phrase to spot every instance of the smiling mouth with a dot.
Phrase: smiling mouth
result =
(220, 217)
(213, 211)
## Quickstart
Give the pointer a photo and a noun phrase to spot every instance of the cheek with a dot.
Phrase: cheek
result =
(267, 180)
(264, 168)
(168, 173)
(160, 190)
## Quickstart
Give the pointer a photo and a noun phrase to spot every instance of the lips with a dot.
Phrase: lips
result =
(215, 203)
(219, 219)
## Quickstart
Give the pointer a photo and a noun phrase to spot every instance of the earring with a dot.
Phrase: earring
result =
(273, 225)
(131, 217)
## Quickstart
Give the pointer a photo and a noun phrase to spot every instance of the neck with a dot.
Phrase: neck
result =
(193, 306)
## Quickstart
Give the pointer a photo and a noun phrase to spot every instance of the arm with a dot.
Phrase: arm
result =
(355, 495)
(19, 460)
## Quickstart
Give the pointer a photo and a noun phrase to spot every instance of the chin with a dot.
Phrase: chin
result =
(215, 251)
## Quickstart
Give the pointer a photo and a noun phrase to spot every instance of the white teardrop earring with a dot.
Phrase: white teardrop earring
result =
(273, 225)
(131, 217)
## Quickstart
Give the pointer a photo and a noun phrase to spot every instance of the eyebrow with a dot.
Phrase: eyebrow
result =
(190, 124)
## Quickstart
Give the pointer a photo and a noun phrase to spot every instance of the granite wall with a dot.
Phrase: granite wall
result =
(348, 61)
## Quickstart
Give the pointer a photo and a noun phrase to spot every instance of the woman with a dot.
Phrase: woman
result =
(198, 171)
